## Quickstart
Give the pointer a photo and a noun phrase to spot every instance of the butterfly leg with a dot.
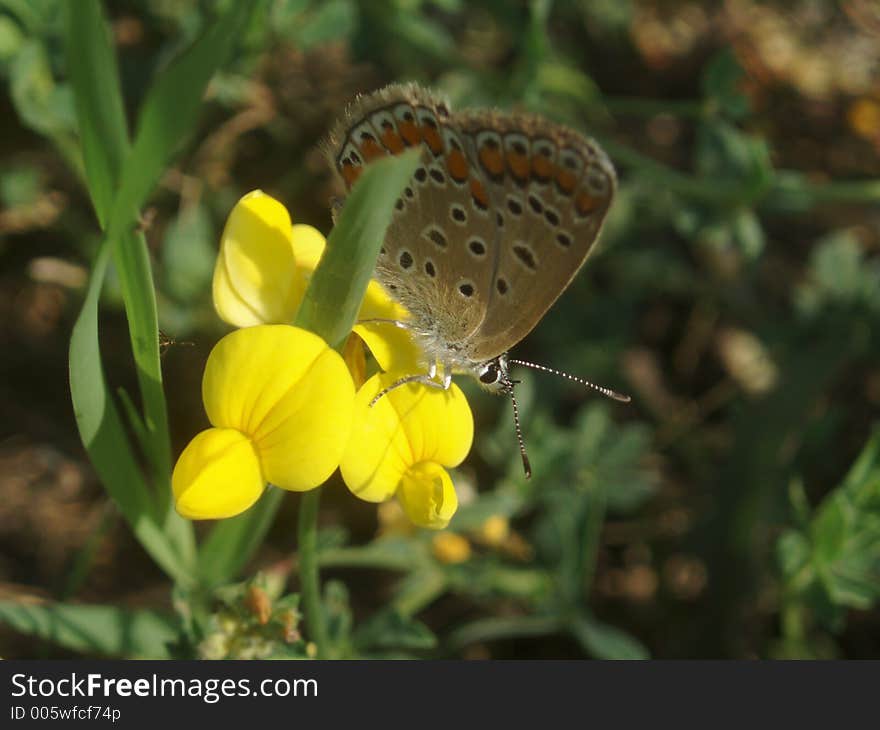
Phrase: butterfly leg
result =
(429, 379)
(378, 320)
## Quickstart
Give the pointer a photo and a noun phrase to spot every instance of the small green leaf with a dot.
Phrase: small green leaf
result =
(829, 529)
(11, 38)
(390, 629)
(98, 630)
(338, 285)
(338, 618)
(747, 233)
(721, 83)
(726, 154)
(862, 482)
(42, 104)
(602, 641)
(792, 553)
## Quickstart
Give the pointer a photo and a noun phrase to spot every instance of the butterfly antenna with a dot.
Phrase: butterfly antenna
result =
(527, 467)
(607, 392)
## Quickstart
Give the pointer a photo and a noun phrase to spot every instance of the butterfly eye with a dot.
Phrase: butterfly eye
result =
(490, 375)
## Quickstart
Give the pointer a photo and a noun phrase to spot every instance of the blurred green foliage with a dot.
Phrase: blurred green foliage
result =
(736, 294)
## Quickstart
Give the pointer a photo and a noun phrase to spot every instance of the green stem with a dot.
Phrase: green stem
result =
(310, 584)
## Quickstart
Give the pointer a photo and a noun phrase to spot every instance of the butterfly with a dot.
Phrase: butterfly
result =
(496, 221)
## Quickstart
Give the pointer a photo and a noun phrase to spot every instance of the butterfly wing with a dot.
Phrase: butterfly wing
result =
(550, 188)
(437, 255)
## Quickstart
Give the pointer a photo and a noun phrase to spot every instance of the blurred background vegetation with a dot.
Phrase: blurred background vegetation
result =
(731, 511)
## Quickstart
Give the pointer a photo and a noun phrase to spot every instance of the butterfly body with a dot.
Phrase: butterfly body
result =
(495, 223)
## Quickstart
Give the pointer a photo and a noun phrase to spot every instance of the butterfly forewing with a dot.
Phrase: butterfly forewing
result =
(438, 253)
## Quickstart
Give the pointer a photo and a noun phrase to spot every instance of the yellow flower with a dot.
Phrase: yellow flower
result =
(263, 270)
(280, 402)
(400, 445)
(495, 530)
(450, 548)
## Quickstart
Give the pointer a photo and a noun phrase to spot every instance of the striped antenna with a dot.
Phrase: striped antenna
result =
(607, 392)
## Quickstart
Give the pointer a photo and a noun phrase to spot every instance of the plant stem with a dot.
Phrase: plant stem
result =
(310, 584)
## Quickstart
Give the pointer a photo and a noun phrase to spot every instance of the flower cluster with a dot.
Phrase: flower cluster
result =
(285, 408)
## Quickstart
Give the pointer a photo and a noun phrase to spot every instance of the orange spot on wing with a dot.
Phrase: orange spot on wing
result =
(565, 180)
(478, 192)
(519, 165)
(350, 173)
(432, 137)
(492, 160)
(371, 149)
(392, 141)
(542, 167)
(457, 165)
(585, 203)
(410, 132)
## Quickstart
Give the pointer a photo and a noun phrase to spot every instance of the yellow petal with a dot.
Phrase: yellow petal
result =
(378, 452)
(355, 360)
(410, 424)
(217, 475)
(256, 278)
(290, 393)
(308, 247)
(393, 347)
(427, 495)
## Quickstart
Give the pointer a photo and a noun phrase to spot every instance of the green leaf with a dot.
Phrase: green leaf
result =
(721, 83)
(391, 629)
(233, 542)
(862, 482)
(496, 628)
(829, 529)
(792, 553)
(42, 104)
(727, 154)
(98, 98)
(338, 618)
(747, 233)
(602, 641)
(102, 630)
(103, 434)
(11, 38)
(338, 285)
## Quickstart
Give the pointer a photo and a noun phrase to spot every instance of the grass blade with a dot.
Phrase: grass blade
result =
(338, 285)
(100, 113)
(103, 434)
(170, 111)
